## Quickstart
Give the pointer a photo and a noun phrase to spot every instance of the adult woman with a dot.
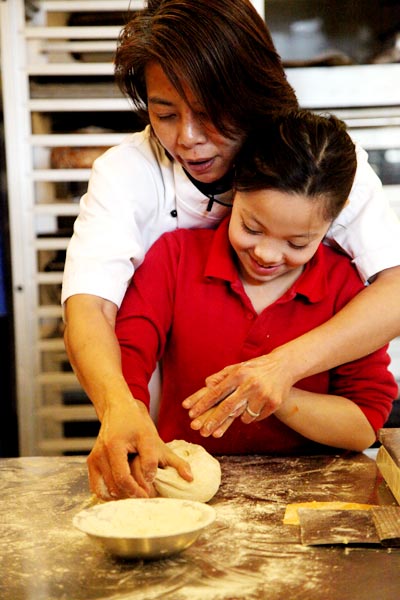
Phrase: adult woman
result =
(203, 73)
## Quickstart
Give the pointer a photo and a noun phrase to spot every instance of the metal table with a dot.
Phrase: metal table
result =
(248, 553)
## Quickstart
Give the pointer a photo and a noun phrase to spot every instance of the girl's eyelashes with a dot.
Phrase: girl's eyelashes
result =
(248, 229)
(297, 246)
(251, 231)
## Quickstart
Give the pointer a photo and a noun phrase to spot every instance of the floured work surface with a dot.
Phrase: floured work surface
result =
(246, 554)
(388, 459)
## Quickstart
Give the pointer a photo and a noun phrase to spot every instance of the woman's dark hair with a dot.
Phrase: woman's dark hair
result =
(301, 153)
(220, 49)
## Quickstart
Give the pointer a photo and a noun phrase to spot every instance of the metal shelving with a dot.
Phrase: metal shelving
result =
(58, 89)
(53, 72)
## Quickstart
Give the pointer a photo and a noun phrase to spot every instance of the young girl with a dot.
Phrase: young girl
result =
(256, 282)
(204, 74)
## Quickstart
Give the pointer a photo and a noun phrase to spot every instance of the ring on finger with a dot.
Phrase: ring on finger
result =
(252, 413)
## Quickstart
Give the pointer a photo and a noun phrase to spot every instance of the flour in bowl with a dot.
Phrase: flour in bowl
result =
(144, 518)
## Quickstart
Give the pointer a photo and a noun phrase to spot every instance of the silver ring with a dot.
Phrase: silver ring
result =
(252, 413)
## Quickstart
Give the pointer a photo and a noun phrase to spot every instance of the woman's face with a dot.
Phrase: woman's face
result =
(274, 233)
(186, 133)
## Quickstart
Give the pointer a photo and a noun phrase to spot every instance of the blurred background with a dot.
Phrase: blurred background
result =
(60, 109)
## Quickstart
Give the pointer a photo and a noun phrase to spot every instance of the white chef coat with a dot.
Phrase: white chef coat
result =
(136, 193)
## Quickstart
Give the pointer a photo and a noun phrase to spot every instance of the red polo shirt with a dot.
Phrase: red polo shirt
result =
(187, 307)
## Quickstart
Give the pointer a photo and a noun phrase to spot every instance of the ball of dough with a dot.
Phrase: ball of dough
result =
(206, 472)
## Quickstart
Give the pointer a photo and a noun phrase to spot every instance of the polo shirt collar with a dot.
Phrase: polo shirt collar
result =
(312, 283)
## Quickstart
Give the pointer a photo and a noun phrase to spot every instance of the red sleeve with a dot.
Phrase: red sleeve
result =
(144, 319)
(367, 381)
(369, 384)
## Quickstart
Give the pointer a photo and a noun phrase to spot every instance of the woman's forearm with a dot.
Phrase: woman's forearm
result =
(327, 419)
(126, 426)
(369, 321)
(93, 350)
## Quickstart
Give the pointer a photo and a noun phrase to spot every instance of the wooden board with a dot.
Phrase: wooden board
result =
(390, 439)
(390, 471)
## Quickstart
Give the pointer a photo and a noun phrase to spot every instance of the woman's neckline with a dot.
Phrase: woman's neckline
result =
(215, 187)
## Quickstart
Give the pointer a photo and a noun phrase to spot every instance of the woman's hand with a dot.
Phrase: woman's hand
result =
(252, 390)
(125, 432)
(167, 458)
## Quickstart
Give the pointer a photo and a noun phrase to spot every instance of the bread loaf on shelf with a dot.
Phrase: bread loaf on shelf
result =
(81, 157)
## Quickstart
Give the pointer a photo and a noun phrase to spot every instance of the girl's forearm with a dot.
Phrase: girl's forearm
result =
(327, 419)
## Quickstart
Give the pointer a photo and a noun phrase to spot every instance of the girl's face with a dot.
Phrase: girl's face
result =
(274, 234)
(187, 134)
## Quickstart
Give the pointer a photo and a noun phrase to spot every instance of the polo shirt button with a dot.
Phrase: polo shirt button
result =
(174, 213)
(250, 316)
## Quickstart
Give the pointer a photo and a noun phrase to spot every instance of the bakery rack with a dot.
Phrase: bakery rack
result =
(58, 94)
(61, 107)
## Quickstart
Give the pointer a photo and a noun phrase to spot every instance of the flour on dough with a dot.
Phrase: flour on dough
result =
(206, 472)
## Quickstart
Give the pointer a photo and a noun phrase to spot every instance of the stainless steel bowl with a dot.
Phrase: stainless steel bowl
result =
(145, 528)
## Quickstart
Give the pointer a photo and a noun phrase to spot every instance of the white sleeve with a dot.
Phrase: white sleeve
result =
(110, 234)
(367, 229)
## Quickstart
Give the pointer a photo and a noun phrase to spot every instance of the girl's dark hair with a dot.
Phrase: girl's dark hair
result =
(300, 152)
(220, 49)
